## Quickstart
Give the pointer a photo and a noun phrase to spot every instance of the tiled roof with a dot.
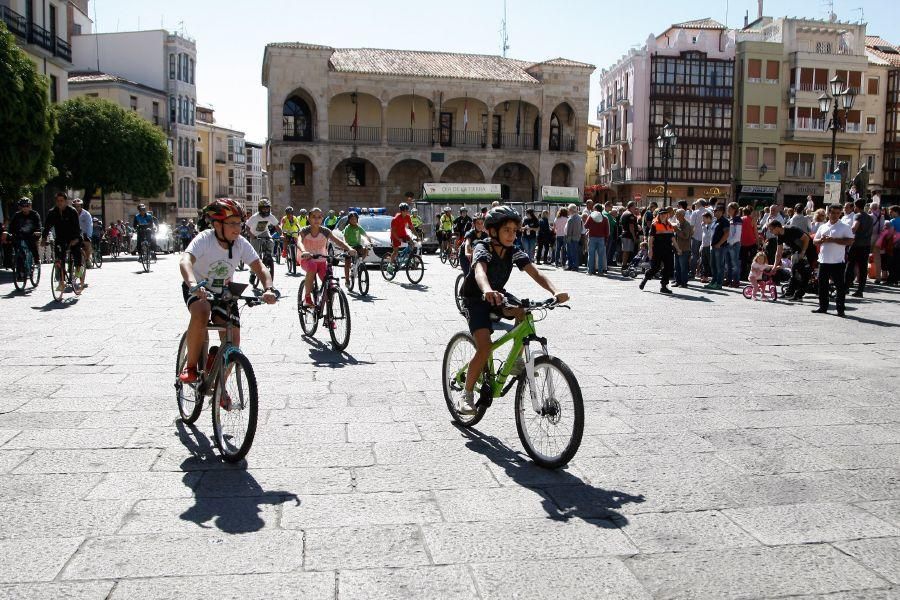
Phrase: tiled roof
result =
(883, 50)
(429, 64)
(415, 63)
(706, 23)
(76, 77)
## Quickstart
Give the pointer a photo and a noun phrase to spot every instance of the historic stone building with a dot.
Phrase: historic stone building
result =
(350, 127)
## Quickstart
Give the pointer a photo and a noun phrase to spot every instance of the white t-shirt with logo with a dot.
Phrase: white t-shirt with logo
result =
(258, 225)
(829, 252)
(211, 260)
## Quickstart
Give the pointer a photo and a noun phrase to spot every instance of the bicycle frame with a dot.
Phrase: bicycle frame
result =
(28, 258)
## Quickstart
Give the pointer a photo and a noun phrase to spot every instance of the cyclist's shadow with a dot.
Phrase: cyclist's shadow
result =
(230, 514)
(575, 499)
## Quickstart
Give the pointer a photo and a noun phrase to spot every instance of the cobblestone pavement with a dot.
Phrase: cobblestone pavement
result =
(732, 449)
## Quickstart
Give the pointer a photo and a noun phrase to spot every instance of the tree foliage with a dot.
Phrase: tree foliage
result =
(101, 145)
(26, 121)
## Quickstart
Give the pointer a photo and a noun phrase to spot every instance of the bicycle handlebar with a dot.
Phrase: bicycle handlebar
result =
(232, 295)
(529, 306)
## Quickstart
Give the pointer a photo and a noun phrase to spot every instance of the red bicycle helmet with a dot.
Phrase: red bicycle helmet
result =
(222, 208)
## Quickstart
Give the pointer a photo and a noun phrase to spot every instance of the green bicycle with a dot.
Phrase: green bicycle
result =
(548, 404)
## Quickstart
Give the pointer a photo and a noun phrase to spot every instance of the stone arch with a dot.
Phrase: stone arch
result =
(561, 137)
(406, 175)
(298, 116)
(346, 107)
(354, 182)
(453, 127)
(561, 175)
(509, 112)
(401, 127)
(300, 181)
(462, 171)
(517, 182)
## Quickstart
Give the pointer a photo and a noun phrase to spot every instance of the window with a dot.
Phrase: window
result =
(54, 89)
(754, 70)
(171, 145)
(753, 117)
(870, 163)
(191, 73)
(772, 68)
(172, 109)
(298, 174)
(799, 165)
(826, 162)
(356, 174)
(133, 103)
(853, 124)
(870, 125)
(179, 67)
(296, 120)
(155, 112)
(751, 159)
(180, 106)
(768, 157)
(193, 111)
(171, 66)
(180, 153)
(872, 87)
(770, 118)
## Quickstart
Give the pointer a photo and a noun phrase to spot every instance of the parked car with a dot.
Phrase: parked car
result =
(378, 228)
(165, 239)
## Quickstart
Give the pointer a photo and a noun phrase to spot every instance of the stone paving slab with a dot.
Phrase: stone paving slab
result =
(694, 478)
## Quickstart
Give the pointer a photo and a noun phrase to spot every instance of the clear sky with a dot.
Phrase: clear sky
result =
(232, 34)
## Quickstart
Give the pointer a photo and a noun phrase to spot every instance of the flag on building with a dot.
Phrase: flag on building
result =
(466, 114)
(412, 109)
(518, 117)
(355, 126)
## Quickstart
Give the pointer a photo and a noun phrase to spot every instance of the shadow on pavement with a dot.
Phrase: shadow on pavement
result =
(231, 514)
(569, 496)
(54, 305)
(418, 287)
(323, 355)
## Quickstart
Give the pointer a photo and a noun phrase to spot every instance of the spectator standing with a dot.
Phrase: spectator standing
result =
(704, 268)
(684, 235)
(559, 229)
(773, 214)
(696, 220)
(799, 220)
(612, 240)
(810, 205)
(598, 228)
(719, 240)
(878, 224)
(530, 227)
(544, 238)
(629, 236)
(662, 250)
(832, 238)
(647, 219)
(858, 255)
(573, 233)
(749, 245)
(733, 247)
(849, 217)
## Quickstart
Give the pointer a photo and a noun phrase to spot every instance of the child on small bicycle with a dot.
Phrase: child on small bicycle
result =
(354, 236)
(314, 239)
(483, 293)
(213, 257)
(760, 272)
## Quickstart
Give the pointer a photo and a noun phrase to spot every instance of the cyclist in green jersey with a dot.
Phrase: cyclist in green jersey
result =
(445, 233)
(353, 237)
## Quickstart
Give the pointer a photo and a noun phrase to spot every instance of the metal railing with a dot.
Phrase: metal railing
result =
(63, 49)
(566, 143)
(16, 23)
(461, 138)
(359, 135)
(33, 33)
(201, 169)
(521, 141)
(290, 133)
(411, 136)
(683, 89)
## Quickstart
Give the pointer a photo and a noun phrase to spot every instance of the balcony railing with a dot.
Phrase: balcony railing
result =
(220, 157)
(413, 137)
(16, 23)
(291, 133)
(566, 143)
(806, 124)
(359, 135)
(683, 89)
(39, 36)
(63, 49)
(629, 174)
(35, 34)
(201, 169)
(520, 141)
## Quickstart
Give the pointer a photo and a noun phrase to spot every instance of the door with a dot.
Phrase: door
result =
(446, 124)
(498, 121)
(52, 26)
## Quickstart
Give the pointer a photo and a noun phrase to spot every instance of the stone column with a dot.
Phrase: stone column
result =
(489, 145)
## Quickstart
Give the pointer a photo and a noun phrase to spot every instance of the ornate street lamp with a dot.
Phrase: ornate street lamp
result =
(840, 101)
(666, 144)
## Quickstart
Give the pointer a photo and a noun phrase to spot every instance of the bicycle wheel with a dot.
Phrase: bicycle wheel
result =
(234, 408)
(551, 436)
(415, 269)
(98, 258)
(459, 352)
(388, 268)
(363, 281)
(748, 292)
(35, 275)
(20, 274)
(773, 294)
(189, 400)
(453, 259)
(145, 257)
(442, 254)
(351, 282)
(456, 293)
(57, 282)
(309, 320)
(338, 319)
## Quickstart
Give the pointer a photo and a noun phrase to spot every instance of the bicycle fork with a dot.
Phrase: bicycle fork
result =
(529, 373)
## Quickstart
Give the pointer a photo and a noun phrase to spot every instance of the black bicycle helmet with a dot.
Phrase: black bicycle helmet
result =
(264, 203)
(499, 215)
(289, 209)
(24, 201)
(404, 206)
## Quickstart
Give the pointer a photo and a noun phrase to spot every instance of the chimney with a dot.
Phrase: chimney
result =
(759, 16)
(746, 19)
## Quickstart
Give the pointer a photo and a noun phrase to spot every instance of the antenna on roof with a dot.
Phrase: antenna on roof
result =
(829, 6)
(504, 37)
(862, 14)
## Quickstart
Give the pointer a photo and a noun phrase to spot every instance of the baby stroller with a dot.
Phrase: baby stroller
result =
(640, 264)
(766, 286)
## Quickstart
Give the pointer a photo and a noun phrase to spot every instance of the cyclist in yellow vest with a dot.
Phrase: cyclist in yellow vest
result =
(290, 229)
(445, 231)
(303, 218)
(417, 222)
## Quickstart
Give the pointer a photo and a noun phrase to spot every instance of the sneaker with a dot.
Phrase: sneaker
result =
(61, 287)
(642, 283)
(466, 404)
(665, 290)
(188, 375)
(857, 294)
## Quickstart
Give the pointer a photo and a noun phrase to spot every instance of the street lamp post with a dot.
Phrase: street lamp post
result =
(840, 101)
(666, 143)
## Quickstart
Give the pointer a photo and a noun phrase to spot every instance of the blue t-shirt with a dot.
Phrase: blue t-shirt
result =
(145, 219)
(895, 223)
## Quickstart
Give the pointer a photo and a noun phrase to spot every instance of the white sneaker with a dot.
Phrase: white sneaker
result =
(466, 404)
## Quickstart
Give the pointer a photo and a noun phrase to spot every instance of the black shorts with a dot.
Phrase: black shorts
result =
(481, 314)
(223, 310)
